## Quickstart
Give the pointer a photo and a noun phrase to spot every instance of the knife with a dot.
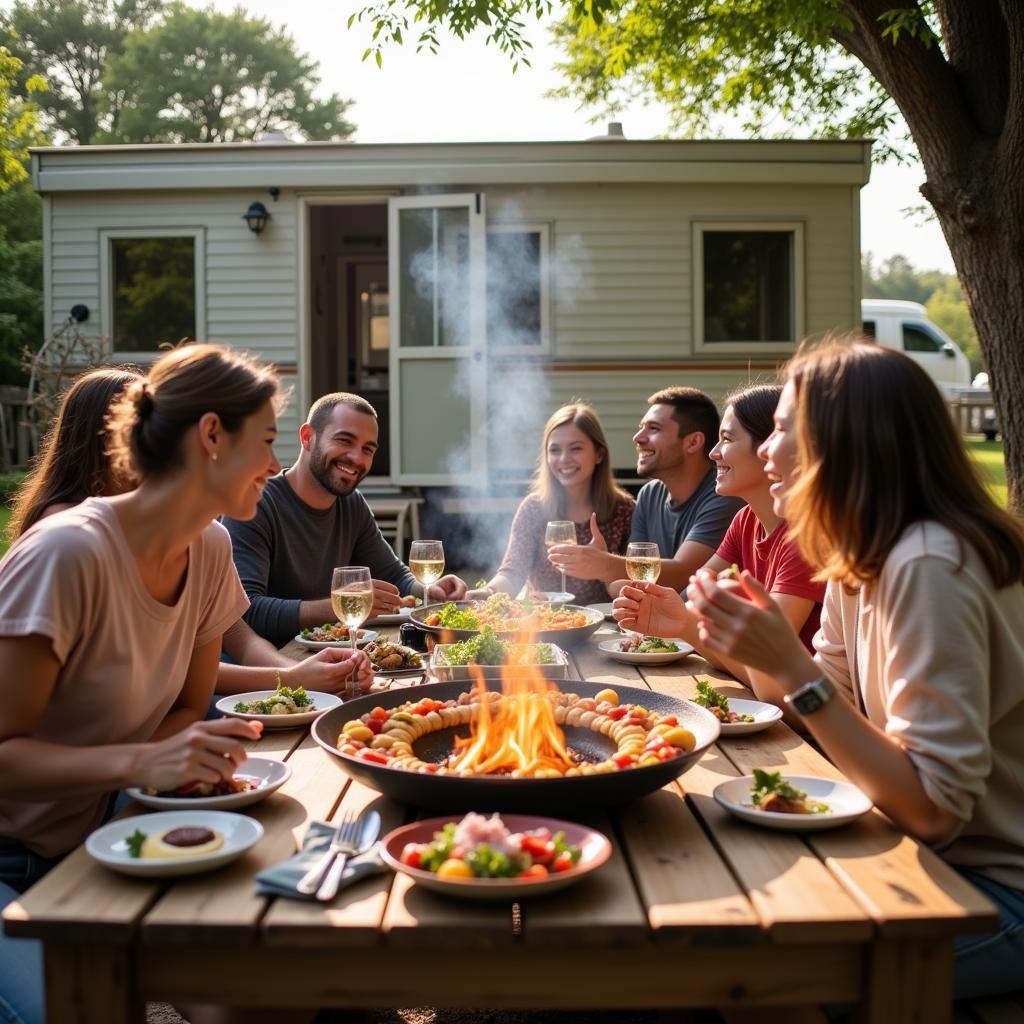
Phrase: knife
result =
(368, 832)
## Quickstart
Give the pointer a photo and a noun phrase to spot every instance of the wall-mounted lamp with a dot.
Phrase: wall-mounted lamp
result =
(256, 217)
(79, 313)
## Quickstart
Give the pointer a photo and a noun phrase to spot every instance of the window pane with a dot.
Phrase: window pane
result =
(513, 288)
(917, 339)
(748, 286)
(868, 328)
(154, 292)
(433, 276)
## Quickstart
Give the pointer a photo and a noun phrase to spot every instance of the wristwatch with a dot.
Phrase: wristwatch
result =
(811, 696)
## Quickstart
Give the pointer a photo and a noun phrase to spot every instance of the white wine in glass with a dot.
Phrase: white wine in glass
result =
(643, 561)
(426, 563)
(560, 531)
(352, 601)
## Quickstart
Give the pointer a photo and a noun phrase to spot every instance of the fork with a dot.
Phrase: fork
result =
(346, 837)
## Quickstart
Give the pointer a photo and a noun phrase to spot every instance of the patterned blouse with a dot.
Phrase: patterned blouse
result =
(526, 557)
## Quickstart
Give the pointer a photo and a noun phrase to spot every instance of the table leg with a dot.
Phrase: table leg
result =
(91, 985)
(908, 982)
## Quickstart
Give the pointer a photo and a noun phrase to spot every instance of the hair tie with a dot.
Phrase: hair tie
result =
(144, 402)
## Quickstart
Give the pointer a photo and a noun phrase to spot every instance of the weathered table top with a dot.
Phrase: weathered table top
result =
(695, 908)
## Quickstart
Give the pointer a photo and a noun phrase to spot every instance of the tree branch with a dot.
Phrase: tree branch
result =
(1012, 38)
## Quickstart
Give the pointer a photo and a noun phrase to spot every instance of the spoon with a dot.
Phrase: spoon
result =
(368, 832)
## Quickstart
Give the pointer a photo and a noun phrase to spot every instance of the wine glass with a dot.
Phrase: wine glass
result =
(426, 563)
(560, 531)
(352, 601)
(643, 561)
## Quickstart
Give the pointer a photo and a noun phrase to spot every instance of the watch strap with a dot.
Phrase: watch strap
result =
(812, 696)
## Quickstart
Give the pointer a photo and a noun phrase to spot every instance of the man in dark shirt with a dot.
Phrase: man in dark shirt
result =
(310, 519)
(679, 508)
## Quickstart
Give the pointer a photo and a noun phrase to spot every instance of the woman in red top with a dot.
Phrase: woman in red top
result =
(573, 481)
(756, 541)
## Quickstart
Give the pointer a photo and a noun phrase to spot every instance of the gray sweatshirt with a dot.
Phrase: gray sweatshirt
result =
(286, 553)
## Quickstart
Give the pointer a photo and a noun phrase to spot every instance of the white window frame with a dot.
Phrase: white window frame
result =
(544, 231)
(108, 236)
(797, 290)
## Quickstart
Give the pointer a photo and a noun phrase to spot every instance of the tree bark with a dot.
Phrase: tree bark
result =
(968, 126)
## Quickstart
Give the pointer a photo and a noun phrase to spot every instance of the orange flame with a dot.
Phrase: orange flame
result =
(517, 735)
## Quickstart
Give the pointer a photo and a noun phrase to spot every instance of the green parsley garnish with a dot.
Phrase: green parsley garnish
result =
(456, 618)
(134, 843)
(709, 697)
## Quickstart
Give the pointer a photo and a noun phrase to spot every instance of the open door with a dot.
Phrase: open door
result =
(438, 328)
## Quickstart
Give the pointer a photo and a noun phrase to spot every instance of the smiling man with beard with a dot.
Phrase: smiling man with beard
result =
(678, 508)
(311, 518)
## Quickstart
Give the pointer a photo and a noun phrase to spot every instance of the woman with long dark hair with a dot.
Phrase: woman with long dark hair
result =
(573, 482)
(916, 691)
(757, 541)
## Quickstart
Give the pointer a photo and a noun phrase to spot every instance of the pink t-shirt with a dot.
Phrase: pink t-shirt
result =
(123, 654)
(774, 562)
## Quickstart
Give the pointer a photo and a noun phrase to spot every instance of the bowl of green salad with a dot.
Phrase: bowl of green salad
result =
(491, 655)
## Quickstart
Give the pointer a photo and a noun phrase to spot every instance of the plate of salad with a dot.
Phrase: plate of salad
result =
(635, 649)
(283, 708)
(792, 803)
(492, 654)
(738, 716)
(496, 857)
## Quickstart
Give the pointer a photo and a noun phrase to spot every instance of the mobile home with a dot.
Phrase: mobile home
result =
(466, 290)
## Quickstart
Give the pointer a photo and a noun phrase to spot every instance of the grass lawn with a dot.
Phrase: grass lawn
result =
(5, 514)
(988, 457)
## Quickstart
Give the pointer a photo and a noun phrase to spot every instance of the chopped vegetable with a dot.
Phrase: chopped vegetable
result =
(487, 648)
(771, 792)
(134, 843)
(283, 701)
(717, 703)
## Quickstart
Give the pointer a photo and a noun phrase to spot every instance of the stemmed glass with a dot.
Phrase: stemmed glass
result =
(426, 563)
(352, 601)
(643, 561)
(560, 531)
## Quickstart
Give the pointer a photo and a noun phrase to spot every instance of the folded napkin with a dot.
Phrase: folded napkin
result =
(282, 879)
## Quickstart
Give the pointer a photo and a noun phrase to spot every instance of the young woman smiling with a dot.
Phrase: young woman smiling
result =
(916, 691)
(757, 541)
(111, 617)
(573, 482)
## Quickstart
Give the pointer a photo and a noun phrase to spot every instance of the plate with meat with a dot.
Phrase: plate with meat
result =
(332, 634)
(391, 659)
(738, 716)
(792, 803)
(255, 779)
(634, 649)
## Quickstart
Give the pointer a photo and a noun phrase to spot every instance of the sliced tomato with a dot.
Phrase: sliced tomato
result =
(623, 760)
(375, 725)
(666, 753)
(615, 713)
(563, 862)
(541, 850)
(373, 756)
(412, 855)
(534, 871)
(379, 712)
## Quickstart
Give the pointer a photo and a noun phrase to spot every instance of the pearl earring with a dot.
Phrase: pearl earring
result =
(214, 456)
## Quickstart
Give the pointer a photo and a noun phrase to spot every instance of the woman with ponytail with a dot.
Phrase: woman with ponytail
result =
(111, 618)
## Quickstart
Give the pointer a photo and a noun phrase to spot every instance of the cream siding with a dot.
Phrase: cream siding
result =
(250, 287)
(621, 225)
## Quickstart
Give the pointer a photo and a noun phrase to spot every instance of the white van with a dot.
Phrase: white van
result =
(905, 326)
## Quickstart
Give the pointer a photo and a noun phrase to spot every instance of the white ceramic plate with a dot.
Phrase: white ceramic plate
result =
(595, 849)
(265, 772)
(363, 638)
(845, 803)
(611, 648)
(321, 702)
(394, 619)
(605, 609)
(108, 846)
(553, 596)
(765, 716)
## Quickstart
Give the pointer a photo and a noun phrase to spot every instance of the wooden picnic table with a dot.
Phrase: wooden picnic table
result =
(694, 909)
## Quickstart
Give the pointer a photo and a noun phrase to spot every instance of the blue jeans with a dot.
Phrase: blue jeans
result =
(990, 965)
(21, 960)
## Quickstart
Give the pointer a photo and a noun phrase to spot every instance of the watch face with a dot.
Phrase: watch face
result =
(808, 702)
